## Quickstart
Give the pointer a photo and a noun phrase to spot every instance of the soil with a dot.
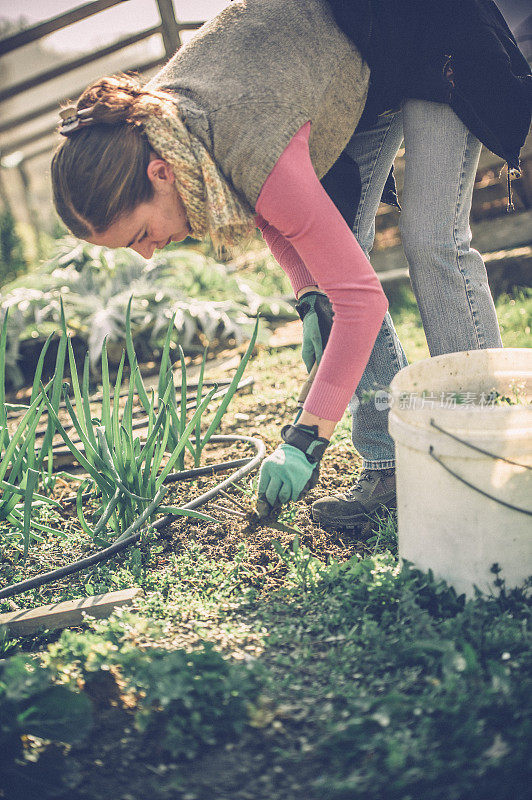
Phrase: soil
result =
(254, 767)
(114, 762)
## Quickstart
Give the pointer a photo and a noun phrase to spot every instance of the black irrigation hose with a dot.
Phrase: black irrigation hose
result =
(192, 403)
(76, 566)
(97, 398)
(197, 472)
(173, 477)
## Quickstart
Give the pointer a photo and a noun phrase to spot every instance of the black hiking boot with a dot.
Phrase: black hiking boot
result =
(373, 491)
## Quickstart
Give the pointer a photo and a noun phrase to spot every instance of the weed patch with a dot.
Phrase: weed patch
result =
(413, 692)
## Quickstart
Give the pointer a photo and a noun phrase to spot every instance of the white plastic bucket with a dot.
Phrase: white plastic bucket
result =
(457, 530)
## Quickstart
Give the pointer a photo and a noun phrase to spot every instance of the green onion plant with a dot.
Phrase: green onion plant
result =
(125, 473)
(21, 465)
(197, 446)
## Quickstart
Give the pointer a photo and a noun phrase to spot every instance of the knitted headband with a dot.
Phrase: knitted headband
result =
(212, 205)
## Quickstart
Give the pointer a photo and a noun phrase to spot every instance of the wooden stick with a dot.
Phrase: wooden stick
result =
(307, 386)
(67, 614)
(234, 500)
(231, 511)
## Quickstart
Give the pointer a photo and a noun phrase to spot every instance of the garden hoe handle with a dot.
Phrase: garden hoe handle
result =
(263, 508)
(303, 394)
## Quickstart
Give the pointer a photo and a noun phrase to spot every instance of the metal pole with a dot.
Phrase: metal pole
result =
(171, 37)
(4, 197)
(22, 38)
(32, 212)
(88, 58)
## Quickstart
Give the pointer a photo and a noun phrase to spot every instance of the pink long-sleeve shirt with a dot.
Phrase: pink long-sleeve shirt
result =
(313, 244)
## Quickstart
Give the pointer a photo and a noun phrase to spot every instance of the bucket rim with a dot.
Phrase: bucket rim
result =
(515, 443)
(451, 370)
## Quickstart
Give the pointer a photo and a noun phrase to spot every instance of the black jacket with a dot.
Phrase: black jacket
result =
(459, 51)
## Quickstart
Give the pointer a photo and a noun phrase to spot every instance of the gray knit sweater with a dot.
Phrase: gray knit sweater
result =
(253, 75)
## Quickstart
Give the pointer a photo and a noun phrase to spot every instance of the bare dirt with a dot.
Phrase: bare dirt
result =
(115, 762)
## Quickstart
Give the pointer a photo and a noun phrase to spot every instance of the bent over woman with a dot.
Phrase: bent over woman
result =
(236, 131)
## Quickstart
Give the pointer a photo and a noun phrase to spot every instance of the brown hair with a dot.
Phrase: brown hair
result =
(99, 171)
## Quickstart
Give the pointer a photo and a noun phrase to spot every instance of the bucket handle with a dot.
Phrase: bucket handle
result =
(479, 449)
(471, 485)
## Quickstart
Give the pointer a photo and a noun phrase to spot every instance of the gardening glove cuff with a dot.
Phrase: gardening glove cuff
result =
(306, 439)
(315, 311)
(294, 467)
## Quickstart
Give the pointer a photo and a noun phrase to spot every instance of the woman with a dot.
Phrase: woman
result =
(236, 130)
(444, 78)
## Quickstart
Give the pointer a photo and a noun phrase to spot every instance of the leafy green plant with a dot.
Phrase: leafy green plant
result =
(207, 303)
(441, 706)
(184, 699)
(11, 255)
(22, 468)
(126, 474)
(179, 416)
(305, 569)
(36, 711)
(515, 395)
(198, 697)
(418, 693)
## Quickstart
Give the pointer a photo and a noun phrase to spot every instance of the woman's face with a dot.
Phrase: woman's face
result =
(153, 224)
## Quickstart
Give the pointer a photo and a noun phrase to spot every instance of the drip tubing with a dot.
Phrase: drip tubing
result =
(60, 450)
(244, 466)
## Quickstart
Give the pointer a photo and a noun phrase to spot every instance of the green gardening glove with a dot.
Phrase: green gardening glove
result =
(294, 467)
(315, 311)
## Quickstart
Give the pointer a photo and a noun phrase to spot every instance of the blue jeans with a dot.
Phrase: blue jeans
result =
(448, 277)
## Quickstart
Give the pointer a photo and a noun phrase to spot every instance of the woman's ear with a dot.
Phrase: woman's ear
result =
(160, 173)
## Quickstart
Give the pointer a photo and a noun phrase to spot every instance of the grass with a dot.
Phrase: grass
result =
(366, 682)
(515, 318)
(514, 313)
(404, 687)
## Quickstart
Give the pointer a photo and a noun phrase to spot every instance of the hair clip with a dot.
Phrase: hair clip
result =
(73, 120)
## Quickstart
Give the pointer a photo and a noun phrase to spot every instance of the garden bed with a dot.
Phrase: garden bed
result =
(370, 684)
